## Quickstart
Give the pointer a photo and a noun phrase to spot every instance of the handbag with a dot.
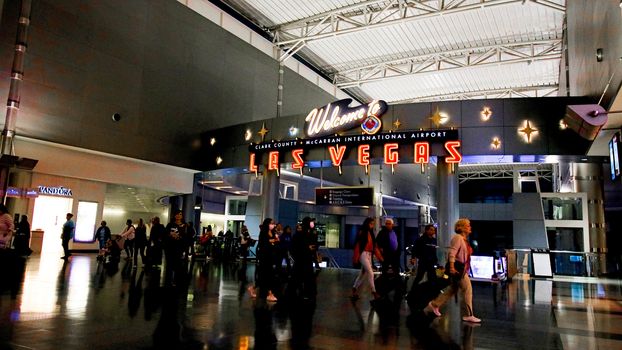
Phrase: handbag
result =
(457, 276)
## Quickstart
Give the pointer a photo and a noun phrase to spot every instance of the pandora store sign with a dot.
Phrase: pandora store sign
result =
(55, 191)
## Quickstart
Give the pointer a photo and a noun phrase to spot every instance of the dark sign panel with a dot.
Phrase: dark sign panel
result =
(400, 137)
(354, 196)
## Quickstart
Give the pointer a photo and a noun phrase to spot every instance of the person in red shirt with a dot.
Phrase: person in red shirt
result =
(364, 247)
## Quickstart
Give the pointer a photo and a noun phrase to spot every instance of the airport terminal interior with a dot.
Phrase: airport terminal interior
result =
(289, 174)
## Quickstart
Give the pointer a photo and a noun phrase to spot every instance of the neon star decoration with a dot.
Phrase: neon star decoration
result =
(486, 113)
(439, 118)
(263, 131)
(496, 143)
(397, 124)
(527, 131)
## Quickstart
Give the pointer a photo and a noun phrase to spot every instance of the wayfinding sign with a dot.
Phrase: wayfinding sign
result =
(348, 196)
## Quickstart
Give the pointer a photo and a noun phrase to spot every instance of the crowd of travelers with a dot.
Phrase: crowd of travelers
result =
(287, 259)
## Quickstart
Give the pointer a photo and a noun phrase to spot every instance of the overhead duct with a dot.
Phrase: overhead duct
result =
(586, 120)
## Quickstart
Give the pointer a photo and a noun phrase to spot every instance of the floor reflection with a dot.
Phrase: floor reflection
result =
(83, 303)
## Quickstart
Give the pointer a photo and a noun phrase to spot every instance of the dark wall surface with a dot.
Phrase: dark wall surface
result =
(508, 116)
(168, 71)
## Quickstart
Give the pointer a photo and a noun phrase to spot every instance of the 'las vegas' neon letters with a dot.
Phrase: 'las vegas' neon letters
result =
(451, 147)
(298, 162)
(390, 153)
(336, 154)
(422, 153)
(363, 155)
(273, 160)
(252, 167)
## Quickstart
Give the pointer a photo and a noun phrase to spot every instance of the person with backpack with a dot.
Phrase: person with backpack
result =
(425, 254)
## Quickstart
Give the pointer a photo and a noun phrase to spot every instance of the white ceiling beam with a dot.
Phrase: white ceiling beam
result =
(453, 59)
(537, 90)
(394, 12)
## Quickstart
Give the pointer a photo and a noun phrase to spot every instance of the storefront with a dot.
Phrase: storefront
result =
(89, 185)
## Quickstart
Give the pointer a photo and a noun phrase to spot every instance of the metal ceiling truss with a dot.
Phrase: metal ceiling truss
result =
(546, 174)
(527, 91)
(378, 13)
(538, 50)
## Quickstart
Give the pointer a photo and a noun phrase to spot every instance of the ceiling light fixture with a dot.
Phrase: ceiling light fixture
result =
(563, 125)
(293, 131)
(212, 141)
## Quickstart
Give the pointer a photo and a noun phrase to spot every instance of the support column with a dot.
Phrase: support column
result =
(270, 196)
(588, 178)
(21, 179)
(447, 199)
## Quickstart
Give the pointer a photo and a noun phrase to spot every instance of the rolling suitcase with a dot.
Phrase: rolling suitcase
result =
(421, 294)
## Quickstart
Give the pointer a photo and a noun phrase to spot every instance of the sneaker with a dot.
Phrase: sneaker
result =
(251, 291)
(471, 319)
(433, 309)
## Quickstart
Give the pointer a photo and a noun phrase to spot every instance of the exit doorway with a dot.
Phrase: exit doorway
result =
(50, 213)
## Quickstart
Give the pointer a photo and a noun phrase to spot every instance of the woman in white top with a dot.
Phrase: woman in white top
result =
(129, 233)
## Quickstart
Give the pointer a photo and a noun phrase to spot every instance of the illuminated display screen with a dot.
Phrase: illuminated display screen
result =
(482, 266)
(614, 156)
(85, 223)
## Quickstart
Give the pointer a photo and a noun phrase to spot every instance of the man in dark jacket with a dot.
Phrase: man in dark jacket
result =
(390, 247)
(425, 252)
(303, 252)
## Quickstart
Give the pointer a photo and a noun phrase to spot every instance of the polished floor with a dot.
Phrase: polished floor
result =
(82, 305)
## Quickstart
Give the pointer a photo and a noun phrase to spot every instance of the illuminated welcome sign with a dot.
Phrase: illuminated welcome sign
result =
(337, 116)
(56, 191)
(337, 146)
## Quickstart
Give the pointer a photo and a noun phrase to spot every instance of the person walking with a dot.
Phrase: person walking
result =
(22, 237)
(389, 247)
(156, 237)
(303, 252)
(364, 247)
(459, 259)
(174, 244)
(140, 242)
(284, 249)
(69, 229)
(128, 234)
(266, 250)
(102, 235)
(425, 255)
(7, 226)
(245, 243)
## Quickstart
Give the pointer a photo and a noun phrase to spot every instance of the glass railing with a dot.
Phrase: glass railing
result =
(566, 263)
